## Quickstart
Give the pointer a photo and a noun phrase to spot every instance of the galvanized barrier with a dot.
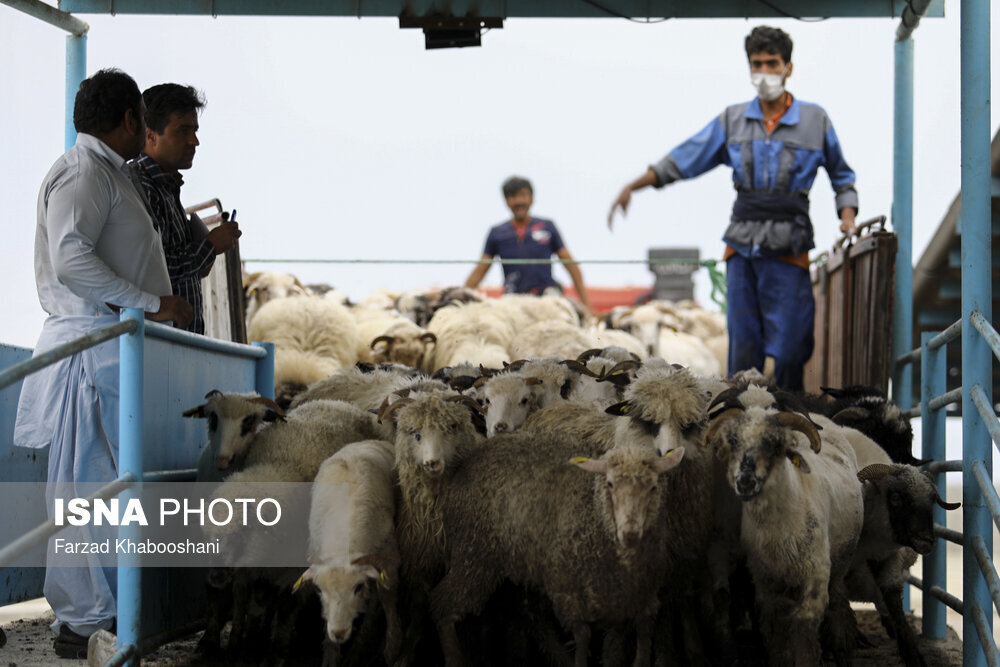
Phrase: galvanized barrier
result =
(134, 332)
(979, 571)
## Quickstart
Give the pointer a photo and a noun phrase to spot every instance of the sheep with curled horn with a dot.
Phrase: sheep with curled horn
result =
(801, 519)
(434, 433)
(403, 342)
(899, 524)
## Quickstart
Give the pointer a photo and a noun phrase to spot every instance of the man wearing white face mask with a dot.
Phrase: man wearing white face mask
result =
(774, 144)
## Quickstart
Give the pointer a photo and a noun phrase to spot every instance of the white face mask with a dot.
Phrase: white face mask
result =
(769, 86)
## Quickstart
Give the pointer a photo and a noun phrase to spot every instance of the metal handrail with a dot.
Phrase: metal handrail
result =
(987, 414)
(20, 370)
(986, 329)
(953, 536)
(989, 493)
(982, 626)
(946, 399)
(937, 593)
(987, 568)
(943, 338)
(935, 467)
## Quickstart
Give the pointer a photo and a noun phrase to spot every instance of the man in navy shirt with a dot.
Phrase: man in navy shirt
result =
(526, 237)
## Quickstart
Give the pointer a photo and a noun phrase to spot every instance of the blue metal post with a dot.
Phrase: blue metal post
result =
(976, 295)
(76, 72)
(933, 381)
(902, 222)
(130, 460)
(264, 377)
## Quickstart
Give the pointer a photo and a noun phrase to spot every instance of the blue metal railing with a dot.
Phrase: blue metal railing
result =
(133, 329)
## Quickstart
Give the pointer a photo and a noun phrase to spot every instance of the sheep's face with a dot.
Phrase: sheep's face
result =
(630, 480)
(673, 398)
(908, 497)
(431, 429)
(344, 594)
(755, 443)
(644, 323)
(508, 400)
(233, 421)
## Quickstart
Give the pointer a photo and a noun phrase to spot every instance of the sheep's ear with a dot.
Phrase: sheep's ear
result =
(196, 413)
(798, 461)
(596, 466)
(622, 409)
(669, 460)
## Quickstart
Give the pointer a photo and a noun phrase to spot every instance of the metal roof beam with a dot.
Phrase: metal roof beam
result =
(509, 8)
(49, 14)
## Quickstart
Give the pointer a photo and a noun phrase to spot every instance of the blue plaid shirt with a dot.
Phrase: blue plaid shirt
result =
(187, 256)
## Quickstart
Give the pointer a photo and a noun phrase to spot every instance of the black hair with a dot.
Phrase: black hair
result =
(765, 39)
(166, 99)
(103, 99)
(514, 184)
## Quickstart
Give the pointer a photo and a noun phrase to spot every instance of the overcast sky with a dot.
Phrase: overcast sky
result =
(343, 138)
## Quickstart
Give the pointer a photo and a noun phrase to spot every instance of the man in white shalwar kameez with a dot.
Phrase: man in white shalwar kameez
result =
(96, 252)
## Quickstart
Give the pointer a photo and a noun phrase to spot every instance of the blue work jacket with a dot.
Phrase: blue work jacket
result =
(772, 172)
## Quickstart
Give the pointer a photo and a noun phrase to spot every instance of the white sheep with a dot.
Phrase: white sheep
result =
(605, 338)
(511, 396)
(523, 310)
(363, 387)
(261, 287)
(548, 337)
(404, 342)
(233, 421)
(435, 432)
(312, 337)
(802, 515)
(311, 433)
(473, 332)
(352, 545)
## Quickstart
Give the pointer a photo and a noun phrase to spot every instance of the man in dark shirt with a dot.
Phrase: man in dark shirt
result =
(526, 237)
(171, 140)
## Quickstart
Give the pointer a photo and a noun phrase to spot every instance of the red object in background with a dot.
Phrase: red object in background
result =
(602, 299)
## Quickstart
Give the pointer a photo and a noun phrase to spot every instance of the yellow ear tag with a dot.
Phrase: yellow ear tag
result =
(797, 461)
(381, 575)
(625, 409)
(580, 459)
(297, 585)
(668, 453)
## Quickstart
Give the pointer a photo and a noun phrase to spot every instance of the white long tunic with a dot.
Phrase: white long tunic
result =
(94, 244)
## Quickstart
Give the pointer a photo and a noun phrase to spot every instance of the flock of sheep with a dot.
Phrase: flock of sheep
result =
(526, 490)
